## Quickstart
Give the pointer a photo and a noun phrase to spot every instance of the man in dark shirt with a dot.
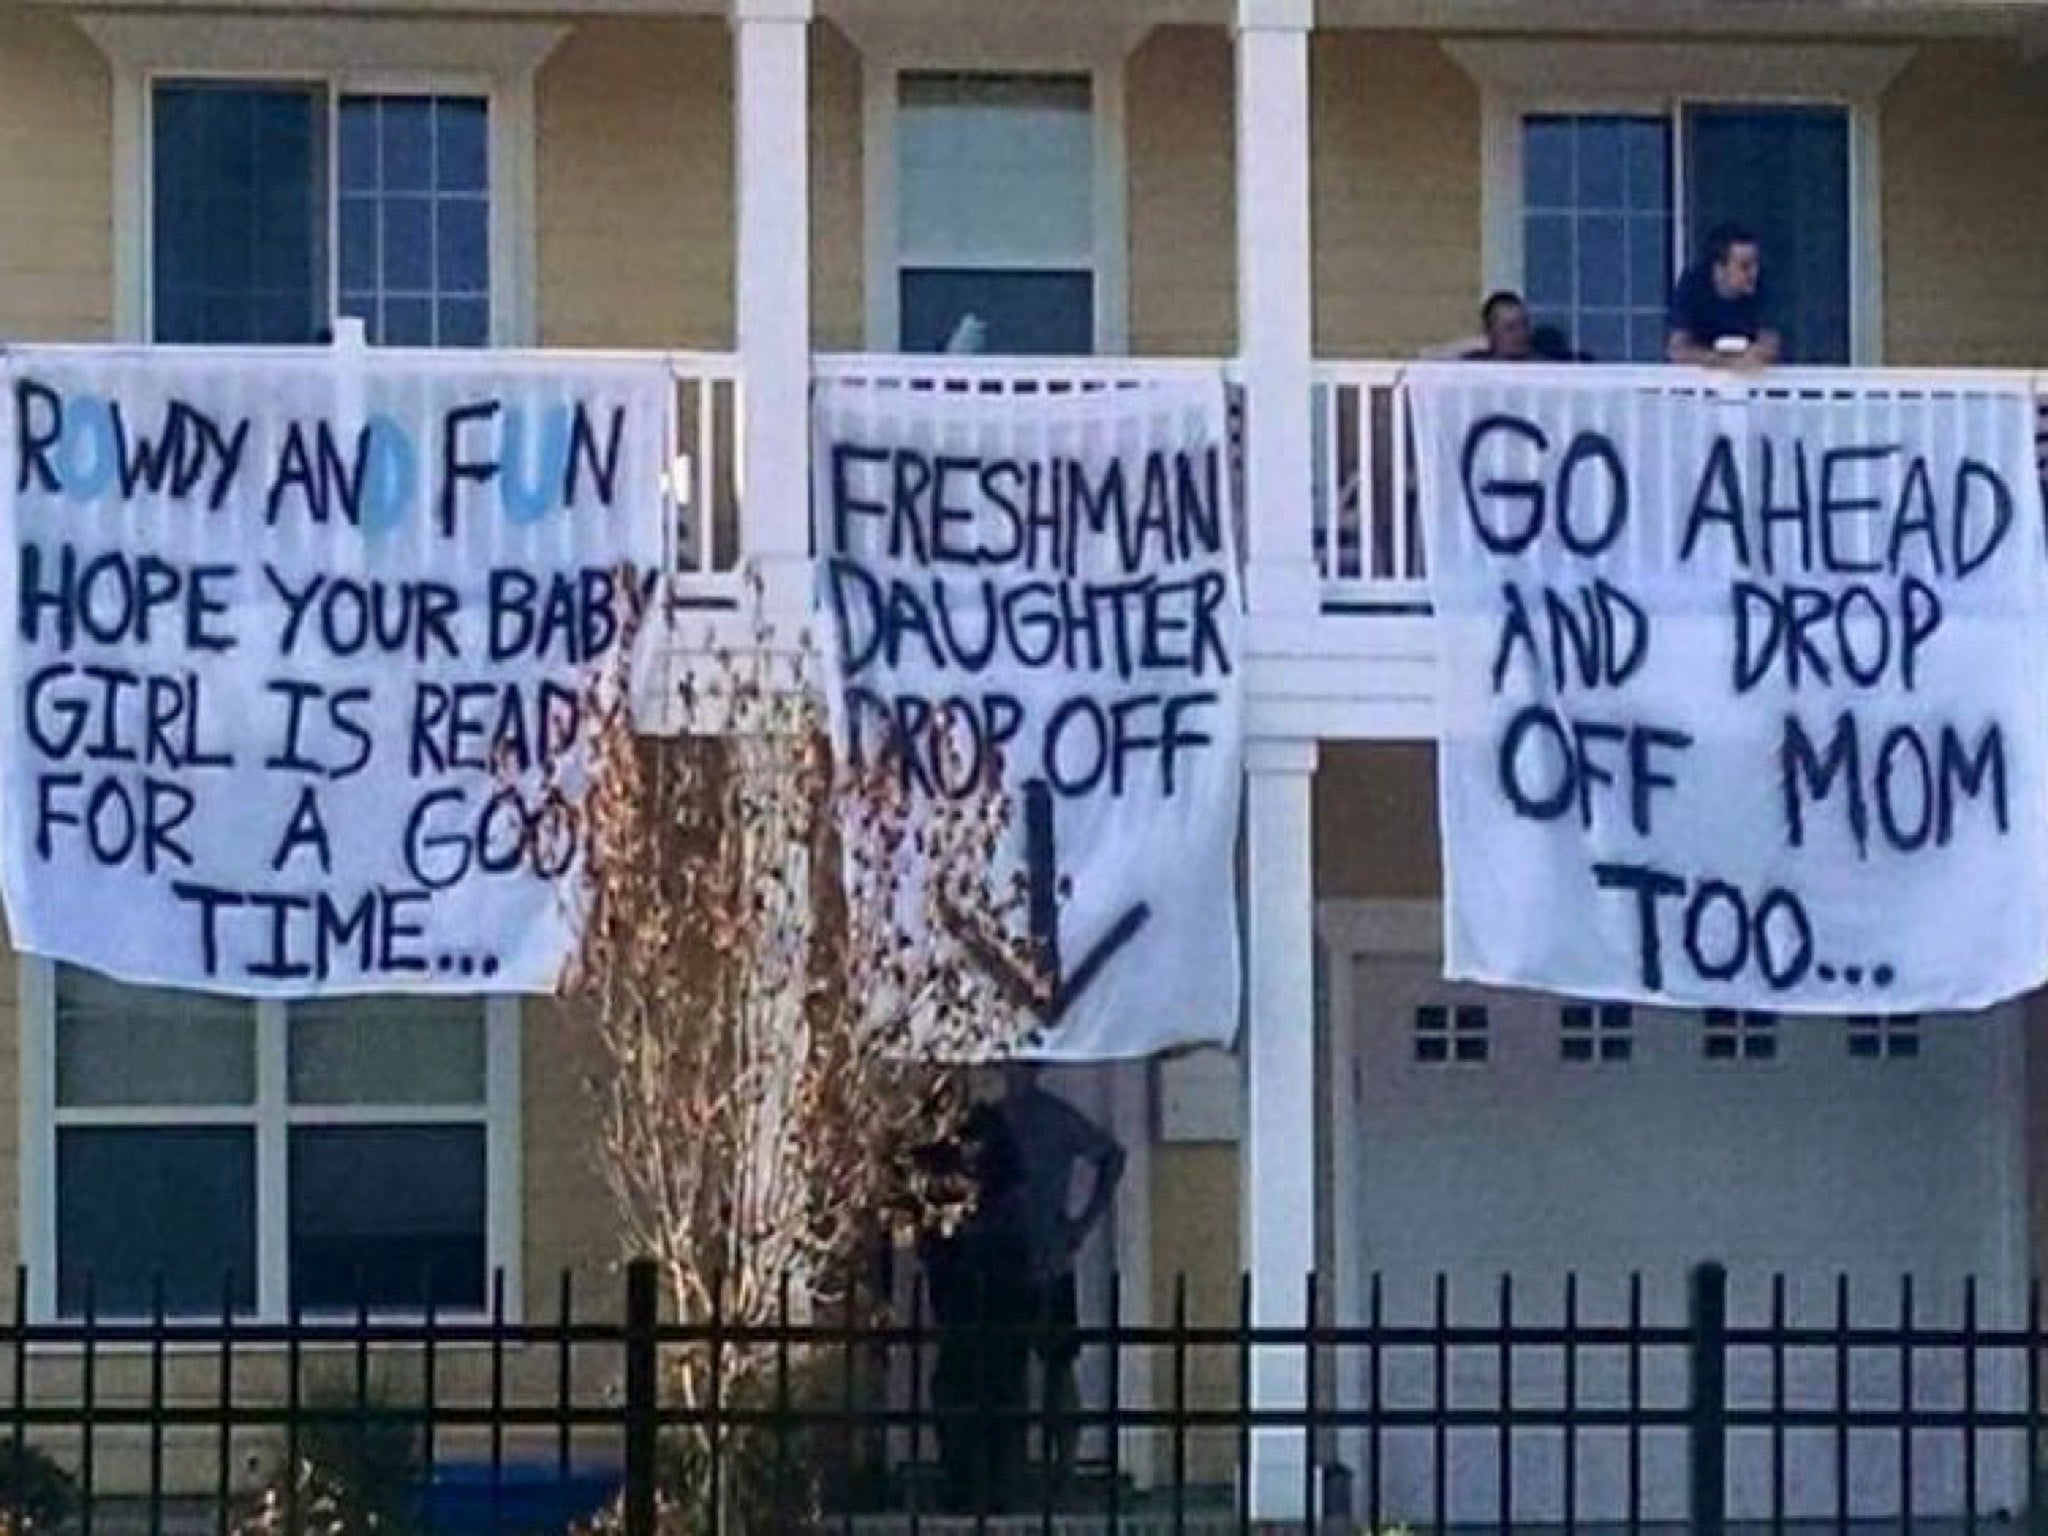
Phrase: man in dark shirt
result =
(1054, 1141)
(1716, 315)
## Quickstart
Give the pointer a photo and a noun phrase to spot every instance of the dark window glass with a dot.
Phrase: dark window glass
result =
(1784, 173)
(1021, 314)
(238, 181)
(137, 1203)
(381, 1212)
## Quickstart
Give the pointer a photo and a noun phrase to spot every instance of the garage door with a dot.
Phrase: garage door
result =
(1495, 1133)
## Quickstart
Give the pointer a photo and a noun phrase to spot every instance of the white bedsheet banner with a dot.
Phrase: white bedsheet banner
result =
(287, 645)
(1054, 579)
(1743, 700)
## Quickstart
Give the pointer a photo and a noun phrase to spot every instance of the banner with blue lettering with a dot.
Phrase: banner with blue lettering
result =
(293, 655)
(1743, 703)
(1049, 582)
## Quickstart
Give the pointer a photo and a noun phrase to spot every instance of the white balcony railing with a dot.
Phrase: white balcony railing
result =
(1368, 527)
(704, 467)
(1367, 519)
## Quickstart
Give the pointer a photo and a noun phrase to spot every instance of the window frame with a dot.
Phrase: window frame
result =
(883, 70)
(272, 1117)
(1518, 80)
(345, 56)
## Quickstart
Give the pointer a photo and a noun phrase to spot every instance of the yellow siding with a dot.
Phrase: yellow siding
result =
(1395, 182)
(1180, 89)
(57, 177)
(635, 185)
(1195, 1234)
(566, 1208)
(838, 303)
(1965, 132)
(1375, 820)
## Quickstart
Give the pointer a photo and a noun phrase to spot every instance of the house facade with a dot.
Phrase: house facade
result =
(1299, 197)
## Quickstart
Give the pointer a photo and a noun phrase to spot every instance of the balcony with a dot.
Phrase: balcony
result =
(1357, 659)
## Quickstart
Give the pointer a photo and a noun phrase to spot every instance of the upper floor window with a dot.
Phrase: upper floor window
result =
(1614, 204)
(996, 236)
(277, 205)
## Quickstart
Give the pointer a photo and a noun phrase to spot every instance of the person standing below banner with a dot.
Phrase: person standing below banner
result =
(1052, 1138)
(1716, 317)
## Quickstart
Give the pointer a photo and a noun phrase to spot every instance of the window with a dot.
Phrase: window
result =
(996, 227)
(1444, 1035)
(1731, 1036)
(370, 1125)
(1614, 204)
(1596, 1033)
(275, 206)
(1892, 1037)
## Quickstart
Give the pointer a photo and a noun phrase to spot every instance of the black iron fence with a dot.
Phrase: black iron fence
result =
(1531, 1412)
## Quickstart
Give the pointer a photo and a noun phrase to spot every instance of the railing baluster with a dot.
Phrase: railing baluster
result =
(1114, 1429)
(1440, 1402)
(1635, 1403)
(1778, 1401)
(1571, 1400)
(1310, 1385)
(1842, 1400)
(1375, 1431)
(1244, 1402)
(223, 1471)
(497, 1399)
(156, 1403)
(1905, 1401)
(1506, 1384)
(1970, 1402)
(564, 1376)
(1180, 1404)
(17, 1476)
(88, 1484)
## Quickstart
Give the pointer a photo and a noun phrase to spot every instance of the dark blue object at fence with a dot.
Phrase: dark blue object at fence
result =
(529, 1500)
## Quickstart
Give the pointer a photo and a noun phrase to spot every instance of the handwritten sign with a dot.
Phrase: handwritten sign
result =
(1051, 584)
(290, 647)
(1742, 703)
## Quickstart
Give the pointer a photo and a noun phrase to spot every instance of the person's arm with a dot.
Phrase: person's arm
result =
(1760, 353)
(1094, 1146)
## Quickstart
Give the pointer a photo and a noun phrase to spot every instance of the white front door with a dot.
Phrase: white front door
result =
(1498, 1133)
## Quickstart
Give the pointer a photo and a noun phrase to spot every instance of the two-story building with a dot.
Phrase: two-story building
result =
(1298, 195)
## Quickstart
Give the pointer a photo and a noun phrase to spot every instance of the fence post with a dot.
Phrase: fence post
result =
(1709, 1400)
(643, 1309)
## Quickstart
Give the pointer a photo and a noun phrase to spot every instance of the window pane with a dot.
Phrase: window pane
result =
(996, 168)
(135, 1204)
(1021, 314)
(376, 1210)
(1596, 189)
(1784, 173)
(405, 140)
(423, 232)
(238, 212)
(388, 1050)
(120, 1044)
(461, 144)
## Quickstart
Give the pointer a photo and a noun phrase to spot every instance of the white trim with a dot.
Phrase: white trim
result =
(496, 60)
(36, 1132)
(273, 1161)
(1659, 79)
(272, 1118)
(504, 1151)
(1099, 56)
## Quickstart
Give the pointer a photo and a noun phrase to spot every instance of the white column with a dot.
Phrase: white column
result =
(1274, 303)
(772, 294)
(1278, 1170)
